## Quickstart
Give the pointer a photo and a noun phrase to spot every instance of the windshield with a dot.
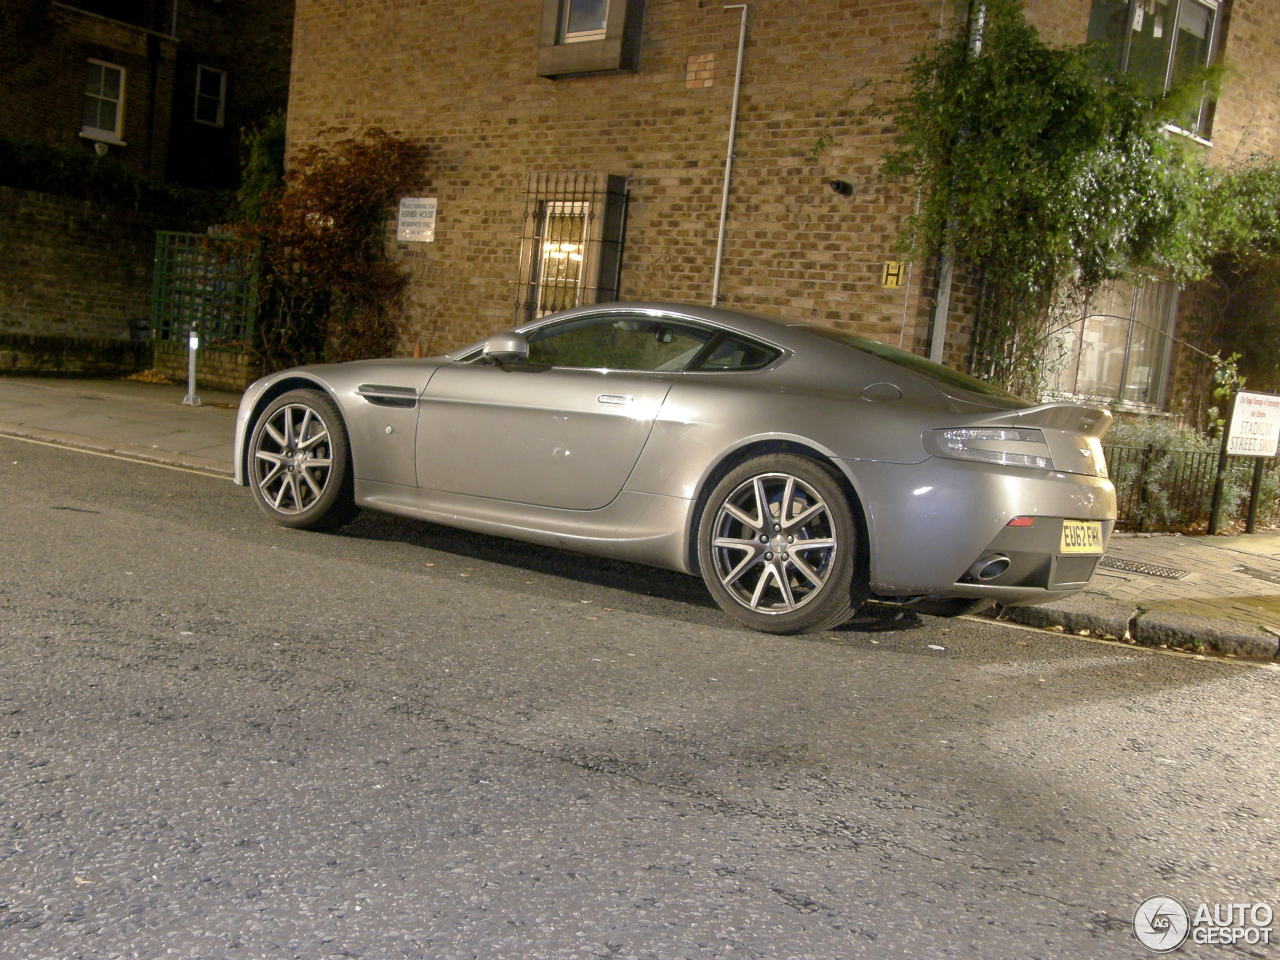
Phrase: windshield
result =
(922, 365)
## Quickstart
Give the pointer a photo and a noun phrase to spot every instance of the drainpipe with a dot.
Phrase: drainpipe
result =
(728, 160)
(946, 260)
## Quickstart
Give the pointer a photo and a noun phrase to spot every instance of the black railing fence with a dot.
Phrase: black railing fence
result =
(1159, 489)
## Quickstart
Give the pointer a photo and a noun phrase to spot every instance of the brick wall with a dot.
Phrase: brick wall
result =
(71, 268)
(216, 368)
(462, 79)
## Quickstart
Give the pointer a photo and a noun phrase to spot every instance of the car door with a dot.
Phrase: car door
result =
(564, 429)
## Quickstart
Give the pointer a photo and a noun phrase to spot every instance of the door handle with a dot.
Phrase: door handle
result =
(614, 398)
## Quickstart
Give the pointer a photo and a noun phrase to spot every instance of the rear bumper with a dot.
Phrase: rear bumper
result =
(930, 523)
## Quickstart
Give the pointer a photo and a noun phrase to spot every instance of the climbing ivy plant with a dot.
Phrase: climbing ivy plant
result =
(1047, 178)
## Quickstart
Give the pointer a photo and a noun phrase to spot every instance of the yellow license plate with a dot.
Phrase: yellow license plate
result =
(1081, 536)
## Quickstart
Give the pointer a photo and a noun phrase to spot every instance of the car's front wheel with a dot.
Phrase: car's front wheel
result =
(300, 462)
(778, 546)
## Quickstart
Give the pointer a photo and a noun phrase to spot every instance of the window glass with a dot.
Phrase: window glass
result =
(1120, 349)
(211, 87)
(104, 91)
(730, 353)
(1191, 52)
(1150, 43)
(617, 343)
(562, 235)
(584, 20)
(1161, 43)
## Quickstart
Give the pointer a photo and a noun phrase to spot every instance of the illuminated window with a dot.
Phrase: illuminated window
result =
(1121, 349)
(571, 244)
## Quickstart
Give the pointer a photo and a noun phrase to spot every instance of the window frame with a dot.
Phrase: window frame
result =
(201, 70)
(114, 136)
(563, 35)
(1157, 387)
(717, 336)
(1217, 10)
(611, 318)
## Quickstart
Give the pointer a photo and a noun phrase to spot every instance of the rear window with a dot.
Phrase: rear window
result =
(922, 365)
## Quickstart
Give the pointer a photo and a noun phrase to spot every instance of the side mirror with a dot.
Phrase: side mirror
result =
(504, 348)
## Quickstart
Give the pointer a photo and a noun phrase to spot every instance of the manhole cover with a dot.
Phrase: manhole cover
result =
(1137, 566)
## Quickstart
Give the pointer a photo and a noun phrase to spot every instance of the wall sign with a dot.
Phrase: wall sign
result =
(416, 220)
(1255, 425)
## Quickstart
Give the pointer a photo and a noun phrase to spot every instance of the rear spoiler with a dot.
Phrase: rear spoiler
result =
(1072, 417)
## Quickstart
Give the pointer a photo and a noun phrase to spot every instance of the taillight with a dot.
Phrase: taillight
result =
(1007, 446)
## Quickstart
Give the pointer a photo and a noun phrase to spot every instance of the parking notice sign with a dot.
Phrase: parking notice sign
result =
(1255, 425)
(416, 222)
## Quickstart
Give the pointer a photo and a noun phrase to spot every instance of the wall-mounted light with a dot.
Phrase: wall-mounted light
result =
(100, 148)
(842, 187)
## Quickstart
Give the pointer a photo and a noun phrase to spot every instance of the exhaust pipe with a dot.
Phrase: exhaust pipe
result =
(988, 568)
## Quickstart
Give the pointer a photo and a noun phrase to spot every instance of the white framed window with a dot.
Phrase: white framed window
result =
(103, 116)
(1121, 348)
(583, 20)
(1162, 44)
(211, 96)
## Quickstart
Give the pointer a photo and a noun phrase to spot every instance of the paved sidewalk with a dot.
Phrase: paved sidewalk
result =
(1216, 593)
(148, 421)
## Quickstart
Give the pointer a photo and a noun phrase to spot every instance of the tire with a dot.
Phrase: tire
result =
(796, 569)
(299, 462)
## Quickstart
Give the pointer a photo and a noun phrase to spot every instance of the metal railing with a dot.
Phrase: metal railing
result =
(1160, 489)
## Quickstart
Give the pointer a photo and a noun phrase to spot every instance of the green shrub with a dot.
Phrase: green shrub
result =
(1147, 481)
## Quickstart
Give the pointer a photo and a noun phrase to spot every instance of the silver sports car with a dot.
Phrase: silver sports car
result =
(798, 470)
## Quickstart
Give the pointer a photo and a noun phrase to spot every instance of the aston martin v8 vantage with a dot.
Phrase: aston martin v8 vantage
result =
(799, 470)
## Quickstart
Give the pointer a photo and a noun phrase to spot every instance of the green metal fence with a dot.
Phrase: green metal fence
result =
(206, 283)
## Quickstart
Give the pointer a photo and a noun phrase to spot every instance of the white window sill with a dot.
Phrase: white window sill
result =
(1194, 137)
(102, 136)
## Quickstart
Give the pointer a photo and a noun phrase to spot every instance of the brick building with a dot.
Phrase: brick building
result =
(540, 114)
(163, 87)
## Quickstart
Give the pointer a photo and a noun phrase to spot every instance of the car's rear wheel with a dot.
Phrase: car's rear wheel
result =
(300, 462)
(778, 546)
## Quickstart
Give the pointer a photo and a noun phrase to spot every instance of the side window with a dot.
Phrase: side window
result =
(618, 343)
(731, 353)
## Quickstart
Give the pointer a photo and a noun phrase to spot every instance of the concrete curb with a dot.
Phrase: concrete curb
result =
(164, 458)
(1102, 616)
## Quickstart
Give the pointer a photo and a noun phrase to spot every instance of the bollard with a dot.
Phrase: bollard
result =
(193, 344)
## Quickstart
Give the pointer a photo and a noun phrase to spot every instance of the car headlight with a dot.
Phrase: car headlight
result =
(1007, 446)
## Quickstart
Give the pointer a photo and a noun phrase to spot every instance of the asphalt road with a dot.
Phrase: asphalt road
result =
(220, 738)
